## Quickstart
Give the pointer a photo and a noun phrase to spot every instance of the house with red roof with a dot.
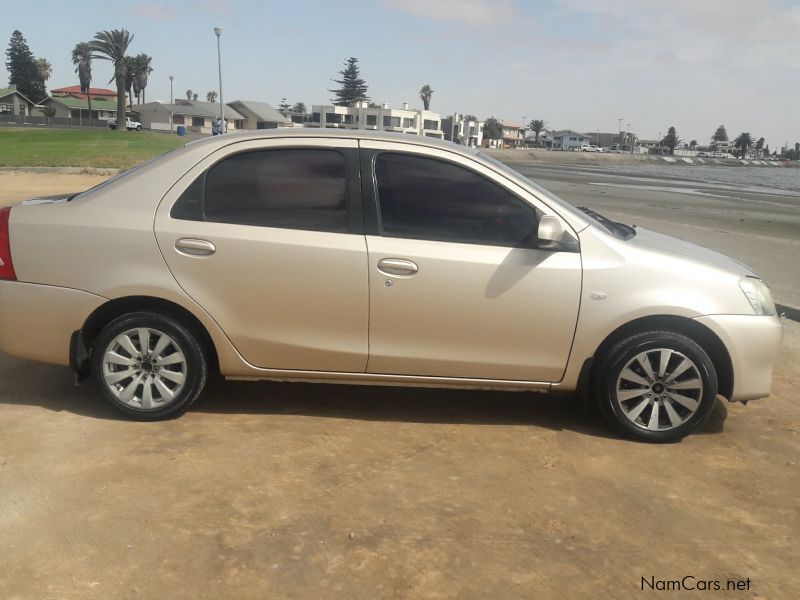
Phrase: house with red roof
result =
(74, 91)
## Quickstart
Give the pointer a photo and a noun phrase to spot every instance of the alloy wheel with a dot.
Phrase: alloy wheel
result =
(659, 389)
(144, 368)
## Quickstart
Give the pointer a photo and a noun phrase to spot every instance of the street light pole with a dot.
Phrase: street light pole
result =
(629, 135)
(218, 32)
(171, 107)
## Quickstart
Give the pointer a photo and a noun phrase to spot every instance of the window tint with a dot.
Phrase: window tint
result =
(190, 205)
(292, 189)
(428, 199)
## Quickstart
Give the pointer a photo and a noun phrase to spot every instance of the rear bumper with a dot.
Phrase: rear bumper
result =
(753, 343)
(37, 321)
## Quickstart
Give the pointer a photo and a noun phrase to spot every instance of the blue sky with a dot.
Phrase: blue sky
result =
(577, 64)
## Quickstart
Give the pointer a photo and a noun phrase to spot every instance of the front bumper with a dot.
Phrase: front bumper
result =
(753, 343)
(37, 321)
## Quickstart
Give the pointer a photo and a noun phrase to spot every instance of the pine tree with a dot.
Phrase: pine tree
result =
(671, 140)
(720, 135)
(492, 129)
(22, 69)
(352, 88)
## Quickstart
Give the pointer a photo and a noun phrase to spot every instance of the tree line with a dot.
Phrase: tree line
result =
(131, 73)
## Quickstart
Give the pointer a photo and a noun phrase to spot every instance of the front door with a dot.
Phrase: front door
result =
(458, 286)
(262, 240)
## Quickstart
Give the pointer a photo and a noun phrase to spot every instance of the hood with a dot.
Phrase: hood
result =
(645, 238)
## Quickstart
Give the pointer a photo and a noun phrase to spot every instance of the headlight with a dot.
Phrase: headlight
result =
(757, 293)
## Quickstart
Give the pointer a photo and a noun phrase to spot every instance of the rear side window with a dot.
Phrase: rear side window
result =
(289, 189)
(428, 199)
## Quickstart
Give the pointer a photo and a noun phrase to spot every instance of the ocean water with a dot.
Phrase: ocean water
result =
(784, 181)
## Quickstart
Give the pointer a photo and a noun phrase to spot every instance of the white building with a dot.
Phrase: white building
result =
(567, 139)
(377, 118)
(463, 130)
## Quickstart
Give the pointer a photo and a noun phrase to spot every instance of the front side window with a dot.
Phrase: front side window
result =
(290, 189)
(427, 199)
(372, 119)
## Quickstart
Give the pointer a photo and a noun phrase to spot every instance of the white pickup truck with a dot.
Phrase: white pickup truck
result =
(130, 124)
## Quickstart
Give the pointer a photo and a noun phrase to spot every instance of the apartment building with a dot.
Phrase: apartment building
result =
(379, 118)
(463, 129)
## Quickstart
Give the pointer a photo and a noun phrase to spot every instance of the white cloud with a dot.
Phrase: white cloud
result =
(156, 11)
(467, 12)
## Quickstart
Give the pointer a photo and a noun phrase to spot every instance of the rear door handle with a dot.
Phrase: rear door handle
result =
(193, 247)
(397, 266)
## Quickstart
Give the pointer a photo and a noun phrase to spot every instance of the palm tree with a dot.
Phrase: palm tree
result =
(425, 94)
(130, 75)
(760, 147)
(112, 45)
(44, 69)
(536, 127)
(693, 144)
(188, 94)
(743, 142)
(143, 70)
(82, 59)
(211, 96)
(194, 97)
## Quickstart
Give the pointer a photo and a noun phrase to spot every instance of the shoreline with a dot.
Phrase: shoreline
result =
(601, 159)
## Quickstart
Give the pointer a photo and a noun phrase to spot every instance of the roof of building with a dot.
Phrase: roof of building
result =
(71, 102)
(76, 89)
(197, 108)
(13, 90)
(261, 110)
(561, 132)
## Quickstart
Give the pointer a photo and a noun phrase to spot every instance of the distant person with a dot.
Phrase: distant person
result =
(224, 126)
(215, 127)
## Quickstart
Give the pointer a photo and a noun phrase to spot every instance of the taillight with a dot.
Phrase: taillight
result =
(6, 266)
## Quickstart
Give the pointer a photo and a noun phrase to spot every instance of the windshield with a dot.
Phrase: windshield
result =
(618, 230)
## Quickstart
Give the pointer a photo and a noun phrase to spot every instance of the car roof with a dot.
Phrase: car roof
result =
(343, 134)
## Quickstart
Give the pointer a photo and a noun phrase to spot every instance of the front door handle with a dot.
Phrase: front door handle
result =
(193, 247)
(397, 266)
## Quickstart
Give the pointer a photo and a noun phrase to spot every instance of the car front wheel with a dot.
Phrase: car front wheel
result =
(657, 386)
(149, 366)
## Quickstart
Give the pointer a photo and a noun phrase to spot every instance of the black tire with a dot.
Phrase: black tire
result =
(193, 368)
(138, 128)
(607, 381)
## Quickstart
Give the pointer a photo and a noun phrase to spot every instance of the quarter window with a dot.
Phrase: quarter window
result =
(289, 189)
(428, 199)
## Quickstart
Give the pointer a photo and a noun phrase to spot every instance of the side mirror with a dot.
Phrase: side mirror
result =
(551, 231)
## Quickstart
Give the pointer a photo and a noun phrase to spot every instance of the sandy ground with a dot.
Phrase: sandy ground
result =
(297, 490)
(17, 185)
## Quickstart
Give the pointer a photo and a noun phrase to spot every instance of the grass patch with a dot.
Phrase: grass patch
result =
(26, 147)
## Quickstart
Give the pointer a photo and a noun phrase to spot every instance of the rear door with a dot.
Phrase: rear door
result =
(267, 237)
(459, 287)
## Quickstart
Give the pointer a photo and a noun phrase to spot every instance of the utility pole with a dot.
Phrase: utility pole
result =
(218, 32)
(171, 107)
(629, 136)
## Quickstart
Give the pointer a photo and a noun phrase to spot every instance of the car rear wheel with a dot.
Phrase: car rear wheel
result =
(149, 366)
(657, 386)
